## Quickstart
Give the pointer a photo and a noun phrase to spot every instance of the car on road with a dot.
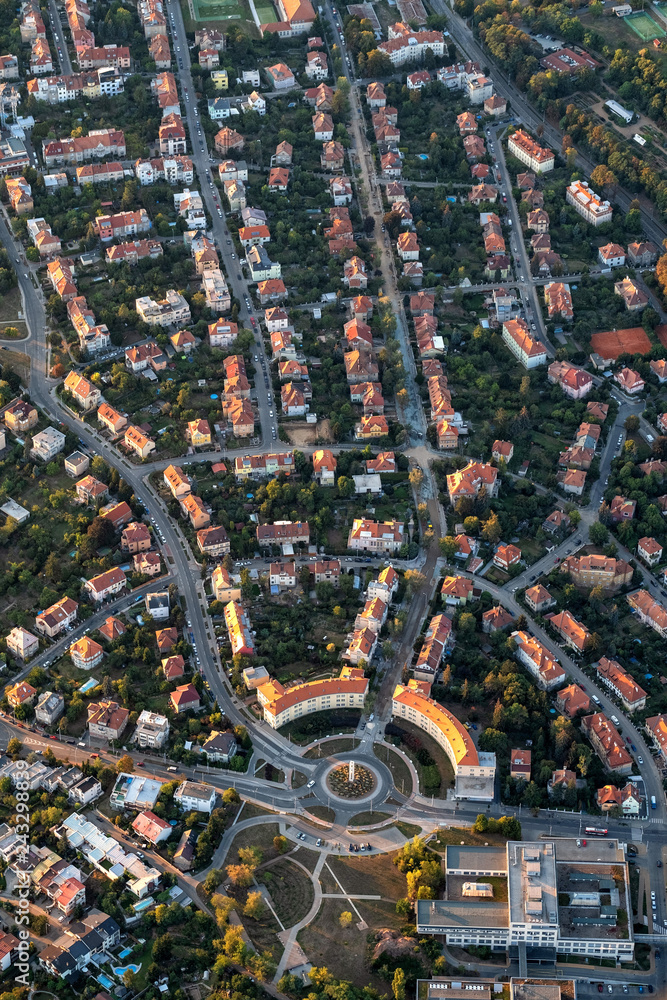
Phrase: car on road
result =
(640, 760)
(599, 987)
(659, 864)
(310, 784)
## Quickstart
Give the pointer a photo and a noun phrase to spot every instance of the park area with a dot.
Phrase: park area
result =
(612, 343)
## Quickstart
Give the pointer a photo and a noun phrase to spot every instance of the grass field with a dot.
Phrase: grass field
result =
(399, 769)
(327, 944)
(368, 818)
(292, 892)
(332, 747)
(219, 10)
(324, 813)
(17, 362)
(374, 875)
(254, 836)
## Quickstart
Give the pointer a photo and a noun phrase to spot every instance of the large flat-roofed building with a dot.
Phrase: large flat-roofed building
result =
(475, 771)
(561, 900)
(456, 988)
(469, 861)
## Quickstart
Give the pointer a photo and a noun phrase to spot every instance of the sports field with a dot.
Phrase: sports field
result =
(219, 10)
(266, 12)
(644, 26)
(611, 343)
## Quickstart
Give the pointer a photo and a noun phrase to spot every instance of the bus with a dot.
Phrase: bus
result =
(595, 831)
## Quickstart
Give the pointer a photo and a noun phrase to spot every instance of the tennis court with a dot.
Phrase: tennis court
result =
(645, 26)
(611, 343)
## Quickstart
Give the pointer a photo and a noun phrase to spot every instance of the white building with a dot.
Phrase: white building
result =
(193, 796)
(553, 904)
(47, 444)
(152, 730)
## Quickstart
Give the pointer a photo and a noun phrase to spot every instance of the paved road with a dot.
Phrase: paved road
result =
(58, 30)
(412, 412)
(212, 199)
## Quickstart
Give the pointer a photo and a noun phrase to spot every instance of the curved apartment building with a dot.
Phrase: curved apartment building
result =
(475, 771)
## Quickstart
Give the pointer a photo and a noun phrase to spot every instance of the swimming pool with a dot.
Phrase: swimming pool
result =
(143, 905)
(88, 686)
(125, 952)
(105, 981)
(121, 969)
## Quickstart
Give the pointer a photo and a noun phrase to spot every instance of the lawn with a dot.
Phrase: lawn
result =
(375, 875)
(368, 818)
(462, 835)
(292, 892)
(320, 724)
(10, 305)
(339, 949)
(332, 747)
(324, 813)
(399, 769)
(437, 755)
(255, 836)
(17, 362)
(306, 857)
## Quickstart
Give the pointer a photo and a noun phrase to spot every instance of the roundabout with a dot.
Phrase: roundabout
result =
(351, 780)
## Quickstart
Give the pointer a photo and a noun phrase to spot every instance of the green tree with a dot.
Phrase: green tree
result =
(598, 534)
(125, 764)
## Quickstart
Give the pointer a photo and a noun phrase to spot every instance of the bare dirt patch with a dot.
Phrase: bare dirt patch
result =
(305, 434)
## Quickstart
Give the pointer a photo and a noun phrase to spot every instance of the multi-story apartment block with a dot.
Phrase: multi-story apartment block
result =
(539, 159)
(474, 771)
(152, 730)
(95, 146)
(282, 705)
(538, 661)
(607, 743)
(173, 310)
(116, 227)
(624, 686)
(586, 202)
(375, 536)
(405, 45)
(530, 352)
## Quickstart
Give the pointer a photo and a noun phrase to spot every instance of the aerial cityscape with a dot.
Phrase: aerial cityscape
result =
(333, 499)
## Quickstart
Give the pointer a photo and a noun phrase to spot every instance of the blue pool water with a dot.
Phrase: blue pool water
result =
(88, 686)
(105, 981)
(143, 905)
(125, 952)
(121, 969)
